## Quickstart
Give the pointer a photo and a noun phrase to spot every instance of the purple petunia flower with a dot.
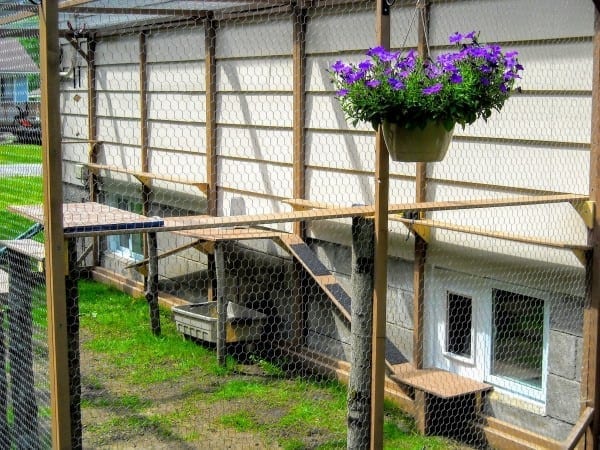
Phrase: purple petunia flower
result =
(456, 78)
(373, 83)
(365, 65)
(485, 81)
(382, 54)
(342, 92)
(432, 89)
(503, 88)
(456, 38)
(338, 66)
(353, 77)
(396, 84)
(472, 35)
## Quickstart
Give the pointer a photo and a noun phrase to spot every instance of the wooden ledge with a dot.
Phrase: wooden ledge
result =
(438, 382)
(27, 247)
(146, 177)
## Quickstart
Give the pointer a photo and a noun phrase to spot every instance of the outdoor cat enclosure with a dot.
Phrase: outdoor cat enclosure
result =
(206, 142)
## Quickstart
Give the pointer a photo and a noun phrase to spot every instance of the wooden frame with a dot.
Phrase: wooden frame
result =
(381, 211)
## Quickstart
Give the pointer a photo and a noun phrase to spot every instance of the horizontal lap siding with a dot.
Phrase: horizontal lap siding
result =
(254, 115)
(540, 140)
(176, 105)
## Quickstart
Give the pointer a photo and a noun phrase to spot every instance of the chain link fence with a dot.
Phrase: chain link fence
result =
(219, 218)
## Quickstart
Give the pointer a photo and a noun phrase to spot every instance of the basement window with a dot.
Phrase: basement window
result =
(459, 334)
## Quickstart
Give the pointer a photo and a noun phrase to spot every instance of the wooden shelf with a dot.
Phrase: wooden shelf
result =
(438, 382)
(146, 177)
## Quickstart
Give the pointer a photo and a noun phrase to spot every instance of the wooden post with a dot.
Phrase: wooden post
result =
(20, 352)
(210, 37)
(591, 336)
(152, 284)
(382, 163)
(221, 271)
(420, 250)
(54, 236)
(72, 293)
(299, 76)
(359, 383)
(92, 117)
(93, 179)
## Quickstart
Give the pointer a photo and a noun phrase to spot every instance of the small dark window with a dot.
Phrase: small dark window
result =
(460, 310)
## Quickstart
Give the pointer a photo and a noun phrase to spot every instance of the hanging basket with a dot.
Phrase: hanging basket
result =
(426, 145)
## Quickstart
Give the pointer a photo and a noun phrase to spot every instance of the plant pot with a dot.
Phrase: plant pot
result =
(416, 145)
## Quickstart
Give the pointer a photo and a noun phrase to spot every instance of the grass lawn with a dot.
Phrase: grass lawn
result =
(20, 154)
(18, 190)
(154, 391)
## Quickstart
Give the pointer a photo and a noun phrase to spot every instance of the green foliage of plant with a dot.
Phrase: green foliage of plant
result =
(456, 87)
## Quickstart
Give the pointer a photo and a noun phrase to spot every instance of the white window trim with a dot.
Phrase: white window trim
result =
(450, 355)
(114, 241)
(514, 387)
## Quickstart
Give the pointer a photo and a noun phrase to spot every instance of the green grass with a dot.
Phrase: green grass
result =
(20, 154)
(17, 191)
(117, 327)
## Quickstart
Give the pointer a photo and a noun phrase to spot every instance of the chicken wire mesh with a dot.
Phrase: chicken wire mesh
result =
(208, 167)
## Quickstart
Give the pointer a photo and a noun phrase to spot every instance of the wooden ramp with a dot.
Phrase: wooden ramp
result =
(327, 282)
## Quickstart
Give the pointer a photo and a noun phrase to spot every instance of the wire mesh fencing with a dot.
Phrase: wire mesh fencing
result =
(221, 247)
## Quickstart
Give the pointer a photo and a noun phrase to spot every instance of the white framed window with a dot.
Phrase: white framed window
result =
(128, 246)
(519, 342)
(459, 325)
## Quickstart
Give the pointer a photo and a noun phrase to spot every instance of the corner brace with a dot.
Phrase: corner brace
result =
(586, 210)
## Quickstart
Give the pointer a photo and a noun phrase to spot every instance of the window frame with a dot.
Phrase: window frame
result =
(114, 241)
(511, 385)
(470, 359)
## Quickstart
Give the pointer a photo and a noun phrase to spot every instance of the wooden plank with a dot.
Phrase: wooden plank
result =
(210, 43)
(52, 220)
(230, 234)
(144, 177)
(590, 394)
(204, 222)
(493, 234)
(299, 118)
(144, 262)
(579, 429)
(438, 382)
(92, 218)
(27, 247)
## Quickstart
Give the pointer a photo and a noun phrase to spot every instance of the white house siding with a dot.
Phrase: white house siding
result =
(254, 115)
(539, 143)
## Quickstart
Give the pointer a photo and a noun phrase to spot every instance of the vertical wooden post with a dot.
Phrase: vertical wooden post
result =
(591, 337)
(93, 183)
(299, 76)
(145, 163)
(420, 251)
(210, 38)
(152, 284)
(53, 227)
(92, 117)
(221, 302)
(382, 163)
(359, 383)
(73, 344)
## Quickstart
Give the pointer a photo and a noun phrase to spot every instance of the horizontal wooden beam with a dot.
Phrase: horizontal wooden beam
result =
(203, 222)
(146, 177)
(427, 223)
